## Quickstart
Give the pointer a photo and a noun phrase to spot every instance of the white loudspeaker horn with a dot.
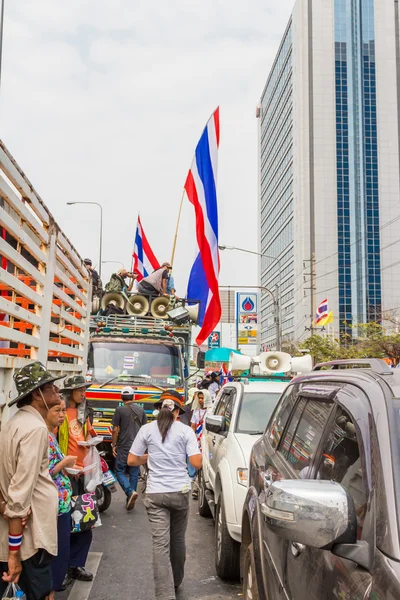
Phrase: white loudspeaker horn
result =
(137, 305)
(95, 305)
(193, 312)
(159, 308)
(302, 364)
(239, 362)
(112, 298)
(274, 362)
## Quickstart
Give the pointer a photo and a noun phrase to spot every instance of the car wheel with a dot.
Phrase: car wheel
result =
(250, 589)
(204, 509)
(227, 550)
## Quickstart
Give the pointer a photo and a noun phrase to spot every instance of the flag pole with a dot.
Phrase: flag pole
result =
(134, 242)
(177, 228)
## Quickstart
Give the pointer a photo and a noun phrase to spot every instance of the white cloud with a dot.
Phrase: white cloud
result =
(106, 101)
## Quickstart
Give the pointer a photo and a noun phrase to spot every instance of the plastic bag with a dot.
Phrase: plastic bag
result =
(92, 469)
(13, 592)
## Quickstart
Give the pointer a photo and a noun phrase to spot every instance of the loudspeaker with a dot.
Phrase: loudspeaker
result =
(239, 362)
(159, 308)
(274, 362)
(95, 305)
(112, 298)
(137, 305)
(193, 312)
(302, 364)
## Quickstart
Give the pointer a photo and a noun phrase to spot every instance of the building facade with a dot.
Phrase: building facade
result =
(329, 131)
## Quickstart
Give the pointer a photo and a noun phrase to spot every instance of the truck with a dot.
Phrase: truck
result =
(147, 353)
(45, 287)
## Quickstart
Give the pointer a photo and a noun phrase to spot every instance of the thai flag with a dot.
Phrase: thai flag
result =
(200, 187)
(144, 261)
(224, 375)
(322, 311)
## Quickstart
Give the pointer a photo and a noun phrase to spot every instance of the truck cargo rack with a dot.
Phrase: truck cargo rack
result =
(125, 325)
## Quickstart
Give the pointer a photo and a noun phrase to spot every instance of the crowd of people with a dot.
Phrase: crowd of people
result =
(43, 543)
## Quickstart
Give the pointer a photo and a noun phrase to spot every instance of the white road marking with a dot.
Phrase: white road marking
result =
(81, 589)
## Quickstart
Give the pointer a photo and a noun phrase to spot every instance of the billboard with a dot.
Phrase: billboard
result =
(246, 318)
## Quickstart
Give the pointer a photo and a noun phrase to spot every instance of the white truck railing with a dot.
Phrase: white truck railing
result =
(45, 288)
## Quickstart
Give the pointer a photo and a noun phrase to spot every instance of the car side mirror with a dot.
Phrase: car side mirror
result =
(200, 360)
(215, 424)
(311, 512)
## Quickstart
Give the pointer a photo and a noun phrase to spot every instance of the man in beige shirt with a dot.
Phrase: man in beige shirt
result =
(27, 492)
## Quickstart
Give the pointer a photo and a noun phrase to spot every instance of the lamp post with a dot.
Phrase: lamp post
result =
(275, 304)
(101, 227)
(277, 297)
(116, 262)
(1, 34)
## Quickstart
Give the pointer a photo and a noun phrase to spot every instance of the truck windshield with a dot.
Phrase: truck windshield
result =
(255, 412)
(158, 361)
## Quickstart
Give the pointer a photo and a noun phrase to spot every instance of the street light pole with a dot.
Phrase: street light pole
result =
(1, 36)
(275, 304)
(277, 300)
(116, 262)
(101, 227)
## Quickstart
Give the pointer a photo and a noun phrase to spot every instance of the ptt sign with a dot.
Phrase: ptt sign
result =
(214, 340)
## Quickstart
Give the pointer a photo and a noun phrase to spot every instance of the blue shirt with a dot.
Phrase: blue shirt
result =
(170, 284)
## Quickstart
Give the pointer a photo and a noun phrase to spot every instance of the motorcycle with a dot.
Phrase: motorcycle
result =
(107, 487)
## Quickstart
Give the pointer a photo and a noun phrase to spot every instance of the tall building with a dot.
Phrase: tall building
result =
(329, 137)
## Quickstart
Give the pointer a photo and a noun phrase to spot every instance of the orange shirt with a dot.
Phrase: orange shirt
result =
(76, 434)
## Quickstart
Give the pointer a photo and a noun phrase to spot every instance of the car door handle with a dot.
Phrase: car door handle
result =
(214, 441)
(297, 548)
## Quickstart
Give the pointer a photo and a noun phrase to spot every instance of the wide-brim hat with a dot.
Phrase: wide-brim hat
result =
(74, 382)
(30, 378)
(176, 399)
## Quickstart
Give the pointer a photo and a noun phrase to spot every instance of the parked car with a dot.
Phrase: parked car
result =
(239, 416)
(321, 519)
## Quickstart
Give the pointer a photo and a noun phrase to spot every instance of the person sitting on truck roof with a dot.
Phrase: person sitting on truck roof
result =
(77, 428)
(118, 281)
(28, 543)
(155, 284)
(127, 421)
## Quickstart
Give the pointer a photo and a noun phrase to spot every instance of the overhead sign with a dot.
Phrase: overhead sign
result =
(246, 318)
(214, 340)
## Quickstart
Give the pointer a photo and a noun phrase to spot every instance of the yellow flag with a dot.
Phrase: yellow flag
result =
(326, 320)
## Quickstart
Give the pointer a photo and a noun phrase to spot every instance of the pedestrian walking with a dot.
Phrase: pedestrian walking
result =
(77, 428)
(28, 494)
(167, 442)
(57, 463)
(127, 421)
(197, 423)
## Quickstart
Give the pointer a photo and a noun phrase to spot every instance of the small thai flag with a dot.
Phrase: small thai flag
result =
(144, 260)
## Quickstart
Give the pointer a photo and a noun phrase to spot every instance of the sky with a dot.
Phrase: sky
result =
(105, 102)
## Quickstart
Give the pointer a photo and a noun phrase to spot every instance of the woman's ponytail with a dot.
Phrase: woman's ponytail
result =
(165, 418)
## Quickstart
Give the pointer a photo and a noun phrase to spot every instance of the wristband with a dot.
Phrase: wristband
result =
(14, 542)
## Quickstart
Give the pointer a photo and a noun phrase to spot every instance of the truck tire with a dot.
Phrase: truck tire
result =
(204, 509)
(250, 588)
(227, 550)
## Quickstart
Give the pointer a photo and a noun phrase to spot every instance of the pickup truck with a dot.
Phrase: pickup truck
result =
(239, 416)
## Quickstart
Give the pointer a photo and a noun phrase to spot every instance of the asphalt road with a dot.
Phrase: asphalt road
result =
(121, 553)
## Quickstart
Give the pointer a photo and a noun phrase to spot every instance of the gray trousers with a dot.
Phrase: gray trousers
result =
(168, 515)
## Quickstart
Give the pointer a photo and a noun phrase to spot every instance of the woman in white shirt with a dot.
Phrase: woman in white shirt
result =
(167, 442)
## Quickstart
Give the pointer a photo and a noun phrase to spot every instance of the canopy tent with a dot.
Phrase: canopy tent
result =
(219, 355)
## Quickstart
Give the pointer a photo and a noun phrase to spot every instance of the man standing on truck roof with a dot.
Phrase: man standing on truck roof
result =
(156, 283)
(28, 496)
(97, 286)
(127, 421)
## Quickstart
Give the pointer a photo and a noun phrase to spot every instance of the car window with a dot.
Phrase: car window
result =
(281, 415)
(255, 411)
(304, 433)
(221, 406)
(229, 410)
(341, 462)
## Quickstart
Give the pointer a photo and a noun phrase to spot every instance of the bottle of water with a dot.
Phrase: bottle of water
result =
(20, 595)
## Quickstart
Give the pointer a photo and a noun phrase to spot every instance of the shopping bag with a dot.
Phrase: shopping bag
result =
(92, 469)
(11, 593)
(84, 513)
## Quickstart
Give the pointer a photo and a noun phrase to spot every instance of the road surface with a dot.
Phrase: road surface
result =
(121, 554)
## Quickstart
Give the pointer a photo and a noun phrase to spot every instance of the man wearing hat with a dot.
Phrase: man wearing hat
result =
(27, 493)
(127, 421)
(77, 428)
(155, 284)
(97, 286)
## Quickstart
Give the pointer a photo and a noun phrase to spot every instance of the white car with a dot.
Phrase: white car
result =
(237, 420)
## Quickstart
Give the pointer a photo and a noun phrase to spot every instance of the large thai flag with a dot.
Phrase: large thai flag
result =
(144, 261)
(201, 190)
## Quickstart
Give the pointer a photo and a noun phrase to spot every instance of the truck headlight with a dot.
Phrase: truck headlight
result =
(242, 476)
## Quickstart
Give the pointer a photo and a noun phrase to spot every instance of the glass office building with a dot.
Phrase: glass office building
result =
(329, 168)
